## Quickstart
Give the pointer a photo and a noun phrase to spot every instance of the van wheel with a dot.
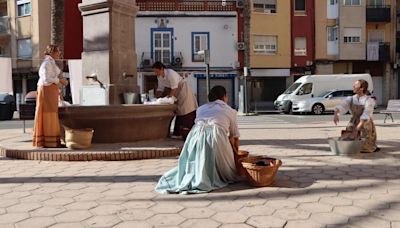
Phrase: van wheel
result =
(318, 109)
(289, 109)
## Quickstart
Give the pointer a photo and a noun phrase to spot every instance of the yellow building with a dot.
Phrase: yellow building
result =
(269, 50)
(356, 36)
(24, 34)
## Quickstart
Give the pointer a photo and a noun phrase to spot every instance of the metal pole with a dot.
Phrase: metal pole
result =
(208, 77)
(245, 89)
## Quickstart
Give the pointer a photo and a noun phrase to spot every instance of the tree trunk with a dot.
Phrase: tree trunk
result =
(57, 23)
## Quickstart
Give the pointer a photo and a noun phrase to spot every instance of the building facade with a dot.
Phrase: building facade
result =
(356, 36)
(174, 31)
(24, 34)
(270, 51)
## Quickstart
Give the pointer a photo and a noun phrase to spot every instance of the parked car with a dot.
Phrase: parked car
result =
(326, 102)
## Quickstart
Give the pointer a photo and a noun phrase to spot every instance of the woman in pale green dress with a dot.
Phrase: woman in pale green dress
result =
(206, 162)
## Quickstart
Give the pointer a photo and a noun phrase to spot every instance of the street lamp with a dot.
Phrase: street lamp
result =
(206, 55)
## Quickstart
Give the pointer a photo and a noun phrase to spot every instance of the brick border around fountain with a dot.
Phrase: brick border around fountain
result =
(59, 155)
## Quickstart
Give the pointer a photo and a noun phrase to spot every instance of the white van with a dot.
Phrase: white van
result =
(311, 86)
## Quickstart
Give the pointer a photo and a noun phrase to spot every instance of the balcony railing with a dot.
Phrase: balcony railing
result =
(4, 25)
(378, 51)
(378, 13)
(147, 59)
(186, 5)
(398, 42)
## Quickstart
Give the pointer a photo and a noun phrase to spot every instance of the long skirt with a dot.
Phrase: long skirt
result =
(46, 131)
(206, 163)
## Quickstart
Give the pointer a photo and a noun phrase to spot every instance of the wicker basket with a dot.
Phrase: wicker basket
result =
(260, 176)
(239, 167)
(78, 138)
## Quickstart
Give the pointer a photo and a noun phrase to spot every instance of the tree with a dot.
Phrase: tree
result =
(57, 23)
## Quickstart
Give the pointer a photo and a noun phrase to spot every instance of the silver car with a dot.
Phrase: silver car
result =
(326, 102)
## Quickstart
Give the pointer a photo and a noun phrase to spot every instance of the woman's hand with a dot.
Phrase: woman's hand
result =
(63, 81)
(336, 117)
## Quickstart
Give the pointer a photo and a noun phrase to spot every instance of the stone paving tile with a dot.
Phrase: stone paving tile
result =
(82, 205)
(12, 218)
(138, 204)
(281, 204)
(302, 224)
(48, 211)
(166, 208)
(8, 202)
(106, 210)
(23, 207)
(257, 210)
(329, 218)
(197, 213)
(265, 221)
(36, 222)
(89, 196)
(102, 221)
(369, 222)
(135, 214)
(351, 211)
(336, 201)
(58, 201)
(166, 220)
(291, 214)
(73, 216)
(230, 217)
(315, 207)
(200, 223)
(391, 215)
(395, 225)
(130, 224)
(225, 206)
(68, 225)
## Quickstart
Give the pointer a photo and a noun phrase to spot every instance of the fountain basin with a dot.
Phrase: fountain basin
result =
(120, 123)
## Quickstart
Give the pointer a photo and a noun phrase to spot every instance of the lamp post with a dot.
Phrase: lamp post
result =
(206, 54)
(245, 73)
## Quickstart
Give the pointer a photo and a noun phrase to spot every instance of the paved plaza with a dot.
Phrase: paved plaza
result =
(313, 188)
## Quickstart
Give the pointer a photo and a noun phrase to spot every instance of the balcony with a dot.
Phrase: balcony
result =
(378, 51)
(378, 13)
(147, 59)
(4, 26)
(186, 5)
(398, 42)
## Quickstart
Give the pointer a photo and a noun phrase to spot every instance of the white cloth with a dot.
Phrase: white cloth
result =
(162, 100)
(170, 80)
(48, 72)
(373, 51)
(367, 101)
(6, 85)
(75, 79)
(221, 114)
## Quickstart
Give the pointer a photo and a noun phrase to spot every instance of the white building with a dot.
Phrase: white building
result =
(175, 37)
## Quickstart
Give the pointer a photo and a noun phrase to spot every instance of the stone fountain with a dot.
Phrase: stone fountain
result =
(109, 59)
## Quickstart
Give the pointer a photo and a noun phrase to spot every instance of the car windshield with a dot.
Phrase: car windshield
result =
(292, 88)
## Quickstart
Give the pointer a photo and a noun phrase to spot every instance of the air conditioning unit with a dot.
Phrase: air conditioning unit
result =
(240, 46)
(177, 61)
(240, 4)
(146, 62)
(267, 11)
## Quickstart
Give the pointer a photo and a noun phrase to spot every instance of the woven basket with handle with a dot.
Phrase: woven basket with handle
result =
(258, 175)
(78, 138)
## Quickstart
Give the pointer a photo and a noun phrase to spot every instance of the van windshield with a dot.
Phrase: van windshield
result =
(292, 88)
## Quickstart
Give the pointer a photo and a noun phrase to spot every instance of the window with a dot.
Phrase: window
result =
(265, 45)
(376, 35)
(200, 41)
(264, 6)
(333, 2)
(24, 7)
(300, 5)
(162, 50)
(376, 3)
(352, 2)
(300, 46)
(3, 8)
(25, 48)
(305, 89)
(333, 33)
(352, 35)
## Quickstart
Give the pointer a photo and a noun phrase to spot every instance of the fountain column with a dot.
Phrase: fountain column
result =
(109, 47)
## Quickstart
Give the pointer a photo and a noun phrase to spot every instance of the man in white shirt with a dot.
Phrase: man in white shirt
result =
(171, 84)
